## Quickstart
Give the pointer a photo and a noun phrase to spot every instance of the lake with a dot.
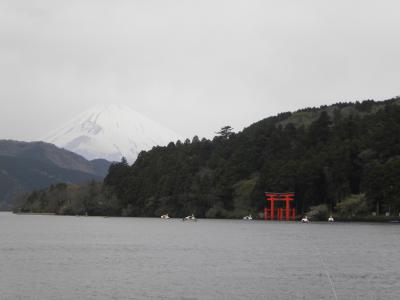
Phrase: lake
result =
(61, 257)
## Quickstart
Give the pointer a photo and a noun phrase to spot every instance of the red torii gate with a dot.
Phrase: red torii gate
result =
(269, 213)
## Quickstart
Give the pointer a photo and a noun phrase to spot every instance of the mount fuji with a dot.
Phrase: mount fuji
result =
(111, 132)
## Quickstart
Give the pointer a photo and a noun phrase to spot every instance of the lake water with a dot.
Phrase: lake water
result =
(60, 257)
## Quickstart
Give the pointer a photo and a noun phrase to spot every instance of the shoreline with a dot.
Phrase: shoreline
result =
(365, 219)
(34, 214)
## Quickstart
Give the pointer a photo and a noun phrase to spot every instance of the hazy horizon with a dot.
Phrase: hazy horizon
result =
(189, 65)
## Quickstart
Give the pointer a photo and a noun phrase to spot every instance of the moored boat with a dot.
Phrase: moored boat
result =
(305, 220)
(189, 218)
(249, 217)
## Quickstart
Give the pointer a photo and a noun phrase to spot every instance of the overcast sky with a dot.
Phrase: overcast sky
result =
(193, 66)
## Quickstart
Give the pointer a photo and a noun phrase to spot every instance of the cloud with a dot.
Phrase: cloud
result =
(191, 65)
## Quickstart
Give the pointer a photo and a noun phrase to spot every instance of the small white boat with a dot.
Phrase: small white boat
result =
(331, 219)
(249, 217)
(305, 220)
(166, 216)
(189, 218)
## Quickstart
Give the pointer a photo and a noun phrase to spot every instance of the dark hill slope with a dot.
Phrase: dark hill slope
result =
(49, 153)
(27, 166)
(322, 154)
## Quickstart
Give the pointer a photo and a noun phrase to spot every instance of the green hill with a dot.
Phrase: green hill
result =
(325, 155)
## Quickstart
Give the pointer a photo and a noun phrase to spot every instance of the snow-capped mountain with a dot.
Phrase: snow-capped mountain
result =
(111, 132)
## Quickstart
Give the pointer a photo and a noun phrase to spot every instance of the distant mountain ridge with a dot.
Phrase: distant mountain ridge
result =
(48, 152)
(111, 132)
(25, 166)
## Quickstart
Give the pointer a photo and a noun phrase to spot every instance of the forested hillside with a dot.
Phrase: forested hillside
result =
(324, 155)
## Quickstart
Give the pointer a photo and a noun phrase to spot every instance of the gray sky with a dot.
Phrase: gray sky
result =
(194, 66)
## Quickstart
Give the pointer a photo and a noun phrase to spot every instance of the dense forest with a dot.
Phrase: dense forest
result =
(343, 158)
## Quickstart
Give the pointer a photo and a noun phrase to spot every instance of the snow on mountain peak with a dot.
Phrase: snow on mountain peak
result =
(110, 132)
